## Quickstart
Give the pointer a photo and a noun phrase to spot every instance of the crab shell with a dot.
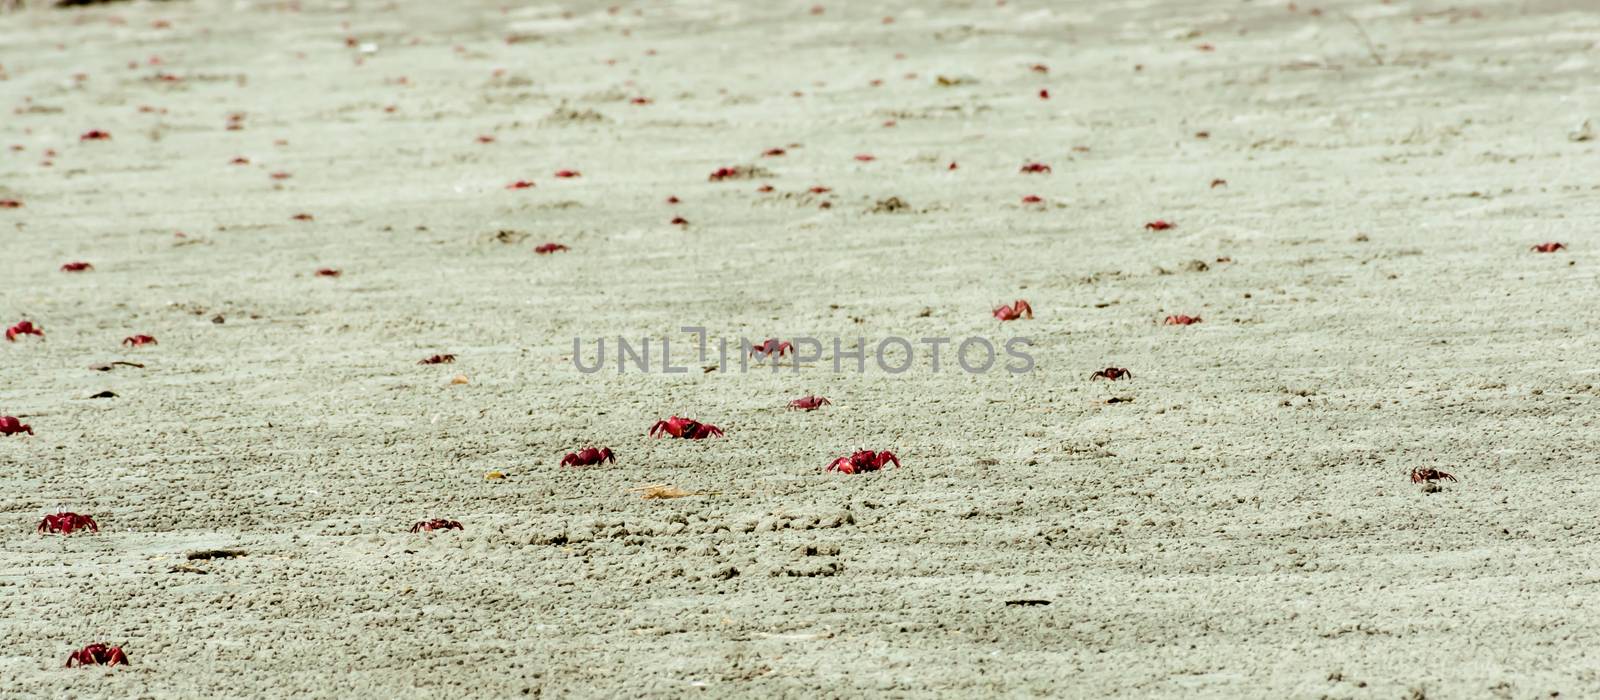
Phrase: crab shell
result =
(65, 523)
(436, 524)
(686, 428)
(863, 461)
(588, 456)
(98, 654)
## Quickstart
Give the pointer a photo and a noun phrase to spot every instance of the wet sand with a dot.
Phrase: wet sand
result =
(1238, 522)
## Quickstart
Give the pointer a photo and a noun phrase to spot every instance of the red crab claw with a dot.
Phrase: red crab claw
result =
(86, 522)
(701, 431)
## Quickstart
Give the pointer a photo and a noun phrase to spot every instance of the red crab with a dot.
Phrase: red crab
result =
(1219, 182)
(565, 174)
(1428, 474)
(673, 200)
(773, 152)
(519, 185)
(1549, 247)
(95, 135)
(436, 524)
(1040, 68)
(1181, 320)
(808, 403)
(437, 360)
(588, 457)
(10, 204)
(1032, 199)
(98, 654)
(1036, 168)
(685, 428)
(863, 461)
(23, 328)
(679, 221)
(76, 267)
(1159, 225)
(1044, 94)
(1017, 309)
(549, 248)
(137, 340)
(819, 189)
(1112, 373)
(866, 157)
(724, 173)
(302, 216)
(12, 425)
(64, 523)
(328, 272)
(772, 346)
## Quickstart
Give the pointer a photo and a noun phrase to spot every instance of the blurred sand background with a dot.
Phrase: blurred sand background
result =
(1239, 523)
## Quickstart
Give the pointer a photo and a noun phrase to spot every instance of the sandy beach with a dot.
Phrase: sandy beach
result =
(299, 201)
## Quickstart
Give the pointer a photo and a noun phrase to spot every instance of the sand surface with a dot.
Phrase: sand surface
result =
(1239, 523)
